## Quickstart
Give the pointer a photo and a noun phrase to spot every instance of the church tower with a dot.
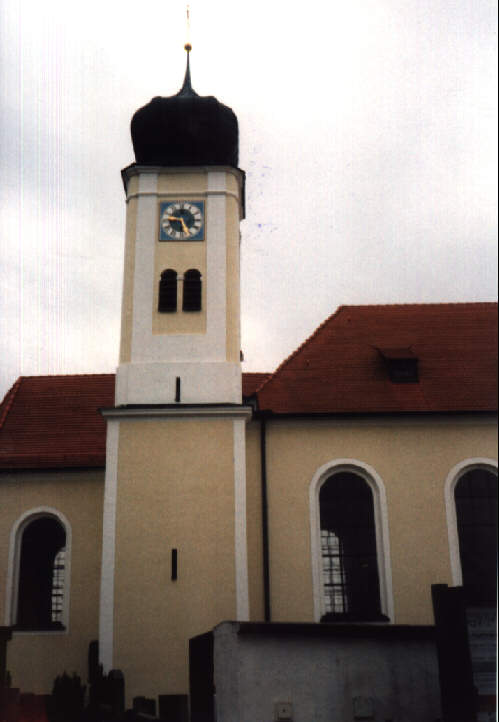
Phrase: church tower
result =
(180, 337)
(174, 551)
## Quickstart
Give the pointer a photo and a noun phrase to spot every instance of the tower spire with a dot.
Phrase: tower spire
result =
(188, 45)
(187, 90)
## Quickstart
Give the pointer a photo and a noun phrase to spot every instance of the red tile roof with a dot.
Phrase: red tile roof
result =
(53, 421)
(340, 369)
(252, 381)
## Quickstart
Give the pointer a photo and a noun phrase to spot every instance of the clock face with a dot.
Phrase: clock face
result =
(181, 221)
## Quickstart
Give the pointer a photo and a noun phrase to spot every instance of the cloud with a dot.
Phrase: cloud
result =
(368, 133)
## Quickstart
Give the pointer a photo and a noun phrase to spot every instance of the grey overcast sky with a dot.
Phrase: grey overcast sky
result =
(367, 131)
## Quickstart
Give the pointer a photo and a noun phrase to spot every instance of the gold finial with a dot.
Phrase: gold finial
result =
(188, 45)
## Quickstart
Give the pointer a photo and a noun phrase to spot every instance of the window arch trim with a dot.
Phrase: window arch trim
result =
(451, 481)
(374, 481)
(13, 568)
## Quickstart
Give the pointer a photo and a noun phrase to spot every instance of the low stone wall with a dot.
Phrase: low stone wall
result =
(319, 672)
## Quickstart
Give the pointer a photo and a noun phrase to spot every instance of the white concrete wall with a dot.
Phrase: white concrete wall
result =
(335, 676)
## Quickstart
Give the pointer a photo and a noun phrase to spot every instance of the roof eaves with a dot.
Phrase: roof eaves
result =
(408, 413)
(424, 304)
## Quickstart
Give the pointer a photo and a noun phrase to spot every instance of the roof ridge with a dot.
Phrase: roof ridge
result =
(66, 376)
(9, 399)
(299, 348)
(418, 305)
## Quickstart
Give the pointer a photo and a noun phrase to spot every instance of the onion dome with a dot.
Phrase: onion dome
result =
(185, 129)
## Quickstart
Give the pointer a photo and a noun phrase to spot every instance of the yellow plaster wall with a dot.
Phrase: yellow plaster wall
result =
(35, 659)
(413, 458)
(180, 256)
(175, 490)
(181, 183)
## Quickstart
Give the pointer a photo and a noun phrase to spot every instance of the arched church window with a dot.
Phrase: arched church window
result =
(475, 496)
(351, 586)
(167, 297)
(192, 291)
(40, 596)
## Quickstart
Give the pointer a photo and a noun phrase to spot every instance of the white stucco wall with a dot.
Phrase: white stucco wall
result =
(337, 676)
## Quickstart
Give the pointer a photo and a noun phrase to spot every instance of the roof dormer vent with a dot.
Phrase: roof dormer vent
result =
(402, 365)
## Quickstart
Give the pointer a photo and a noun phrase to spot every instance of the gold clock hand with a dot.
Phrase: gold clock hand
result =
(180, 220)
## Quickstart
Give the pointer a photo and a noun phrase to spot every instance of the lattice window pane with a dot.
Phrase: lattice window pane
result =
(58, 577)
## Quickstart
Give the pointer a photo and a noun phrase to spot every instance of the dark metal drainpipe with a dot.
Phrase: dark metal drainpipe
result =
(265, 522)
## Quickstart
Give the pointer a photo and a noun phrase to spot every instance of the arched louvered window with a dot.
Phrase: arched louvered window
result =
(350, 576)
(476, 512)
(40, 595)
(192, 291)
(167, 298)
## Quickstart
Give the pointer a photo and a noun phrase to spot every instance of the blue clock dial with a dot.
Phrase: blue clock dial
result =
(181, 221)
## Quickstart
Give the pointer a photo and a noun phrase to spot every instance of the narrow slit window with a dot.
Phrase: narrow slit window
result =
(192, 291)
(167, 299)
